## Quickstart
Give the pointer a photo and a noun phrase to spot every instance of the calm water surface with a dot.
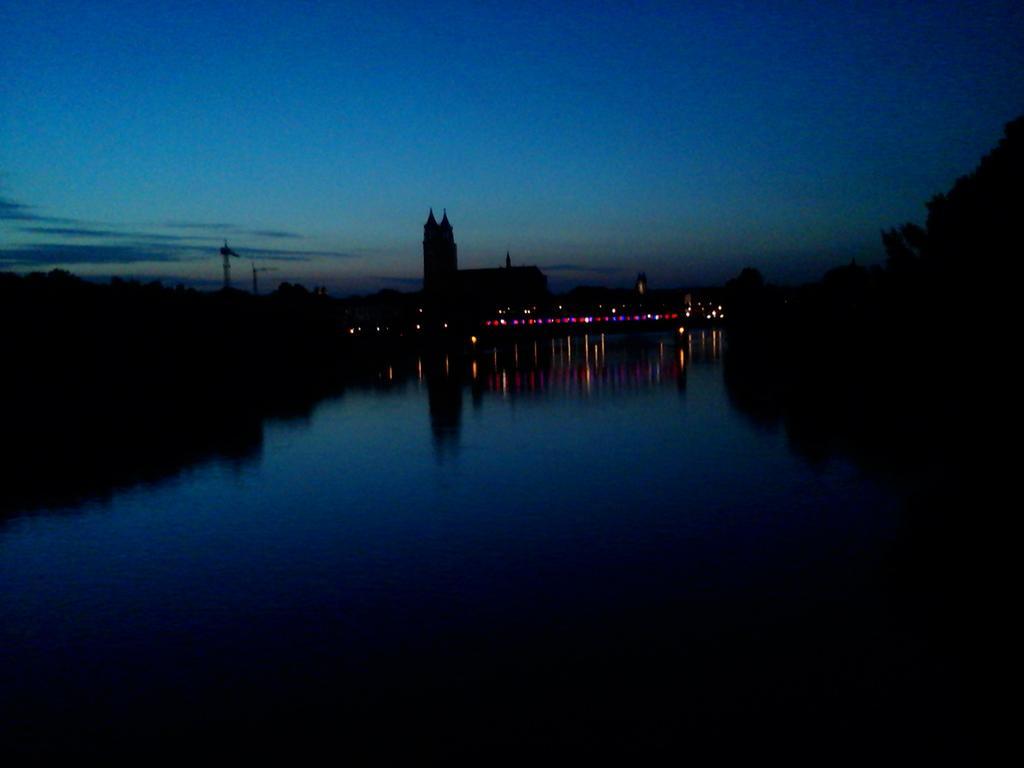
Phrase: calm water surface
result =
(576, 541)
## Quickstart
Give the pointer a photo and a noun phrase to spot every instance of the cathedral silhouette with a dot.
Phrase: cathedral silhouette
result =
(482, 289)
(440, 253)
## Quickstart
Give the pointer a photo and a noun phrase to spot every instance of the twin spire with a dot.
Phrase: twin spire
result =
(432, 222)
(432, 226)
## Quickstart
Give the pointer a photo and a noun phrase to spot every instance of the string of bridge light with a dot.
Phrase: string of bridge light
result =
(585, 319)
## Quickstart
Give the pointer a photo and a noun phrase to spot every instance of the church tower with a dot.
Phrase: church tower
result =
(440, 259)
(641, 284)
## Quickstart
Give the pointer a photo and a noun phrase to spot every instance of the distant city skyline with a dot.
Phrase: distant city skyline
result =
(593, 140)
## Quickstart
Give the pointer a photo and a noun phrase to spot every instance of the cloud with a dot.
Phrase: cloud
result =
(581, 268)
(289, 255)
(12, 211)
(118, 244)
(273, 233)
(39, 254)
(70, 231)
(205, 225)
(233, 229)
(114, 234)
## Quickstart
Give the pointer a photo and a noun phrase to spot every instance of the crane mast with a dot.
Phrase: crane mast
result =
(227, 253)
(255, 271)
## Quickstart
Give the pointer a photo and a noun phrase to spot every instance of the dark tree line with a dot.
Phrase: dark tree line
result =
(973, 229)
(906, 368)
(876, 360)
(111, 384)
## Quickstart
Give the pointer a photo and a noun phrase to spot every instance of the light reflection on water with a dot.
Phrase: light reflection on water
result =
(574, 366)
(580, 520)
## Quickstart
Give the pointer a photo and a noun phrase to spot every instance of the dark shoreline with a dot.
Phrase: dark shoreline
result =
(110, 436)
(125, 384)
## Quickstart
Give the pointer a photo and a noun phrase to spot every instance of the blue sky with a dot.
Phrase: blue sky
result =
(594, 139)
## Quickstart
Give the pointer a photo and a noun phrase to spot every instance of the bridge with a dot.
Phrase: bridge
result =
(529, 325)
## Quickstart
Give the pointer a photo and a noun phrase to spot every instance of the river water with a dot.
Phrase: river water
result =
(577, 542)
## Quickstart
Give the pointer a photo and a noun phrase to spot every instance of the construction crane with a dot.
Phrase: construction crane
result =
(255, 284)
(227, 253)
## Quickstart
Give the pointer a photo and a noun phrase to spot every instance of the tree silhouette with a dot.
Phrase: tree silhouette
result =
(969, 228)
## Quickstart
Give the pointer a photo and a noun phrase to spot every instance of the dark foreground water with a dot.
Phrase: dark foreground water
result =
(576, 545)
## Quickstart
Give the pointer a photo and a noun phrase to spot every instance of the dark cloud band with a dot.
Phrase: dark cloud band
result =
(54, 253)
(12, 211)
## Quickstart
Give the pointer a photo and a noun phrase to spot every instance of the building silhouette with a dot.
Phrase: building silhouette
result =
(440, 254)
(482, 291)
